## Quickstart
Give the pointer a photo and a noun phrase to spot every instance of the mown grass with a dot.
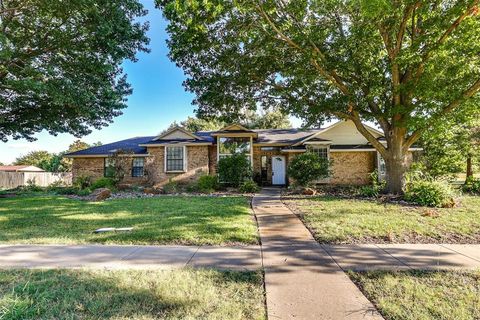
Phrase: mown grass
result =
(161, 220)
(338, 220)
(423, 295)
(89, 294)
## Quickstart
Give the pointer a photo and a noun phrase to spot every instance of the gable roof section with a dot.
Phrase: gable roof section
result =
(171, 132)
(317, 135)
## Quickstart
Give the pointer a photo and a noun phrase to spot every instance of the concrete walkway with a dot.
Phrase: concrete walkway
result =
(302, 281)
(129, 257)
(405, 256)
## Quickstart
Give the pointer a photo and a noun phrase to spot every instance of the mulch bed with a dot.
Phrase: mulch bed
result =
(142, 195)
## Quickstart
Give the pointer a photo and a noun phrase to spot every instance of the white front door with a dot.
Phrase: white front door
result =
(278, 170)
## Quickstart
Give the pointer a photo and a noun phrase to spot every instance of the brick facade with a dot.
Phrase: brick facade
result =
(352, 168)
(197, 165)
(349, 168)
(94, 168)
(87, 167)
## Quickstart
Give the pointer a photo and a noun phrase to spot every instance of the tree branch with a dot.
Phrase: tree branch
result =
(364, 131)
(443, 38)
(472, 90)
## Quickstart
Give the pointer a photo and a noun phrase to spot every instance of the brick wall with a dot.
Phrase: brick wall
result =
(94, 168)
(352, 168)
(197, 164)
(90, 167)
(257, 161)
(212, 161)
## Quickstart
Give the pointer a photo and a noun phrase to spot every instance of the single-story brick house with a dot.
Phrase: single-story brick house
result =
(184, 156)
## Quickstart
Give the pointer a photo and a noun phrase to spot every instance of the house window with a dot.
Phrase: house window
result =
(175, 159)
(382, 168)
(137, 167)
(109, 168)
(264, 169)
(321, 151)
(234, 145)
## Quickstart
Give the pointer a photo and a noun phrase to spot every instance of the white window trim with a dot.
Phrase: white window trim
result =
(318, 146)
(185, 162)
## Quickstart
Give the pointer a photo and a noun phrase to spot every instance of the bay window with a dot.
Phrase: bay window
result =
(234, 145)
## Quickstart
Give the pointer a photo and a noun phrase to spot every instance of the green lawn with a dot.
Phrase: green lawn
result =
(161, 220)
(88, 294)
(337, 220)
(422, 295)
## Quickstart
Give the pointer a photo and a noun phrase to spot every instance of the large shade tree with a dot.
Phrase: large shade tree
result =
(454, 146)
(60, 63)
(402, 64)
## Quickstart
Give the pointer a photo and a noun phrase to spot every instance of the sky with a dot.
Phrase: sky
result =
(158, 99)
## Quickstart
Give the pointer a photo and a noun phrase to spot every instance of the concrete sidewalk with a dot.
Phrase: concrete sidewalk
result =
(364, 257)
(302, 281)
(131, 257)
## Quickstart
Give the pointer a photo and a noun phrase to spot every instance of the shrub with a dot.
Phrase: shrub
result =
(171, 187)
(31, 186)
(307, 168)
(471, 185)
(249, 186)
(83, 182)
(207, 184)
(430, 193)
(83, 192)
(65, 190)
(369, 191)
(103, 183)
(235, 169)
(375, 188)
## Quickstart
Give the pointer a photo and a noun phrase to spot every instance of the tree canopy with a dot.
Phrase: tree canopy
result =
(405, 65)
(60, 63)
(53, 162)
(454, 146)
(269, 119)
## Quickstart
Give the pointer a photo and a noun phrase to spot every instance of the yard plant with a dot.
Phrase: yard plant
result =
(234, 170)
(307, 168)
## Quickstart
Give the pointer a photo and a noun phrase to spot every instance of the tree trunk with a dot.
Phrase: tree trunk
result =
(469, 167)
(396, 163)
(395, 177)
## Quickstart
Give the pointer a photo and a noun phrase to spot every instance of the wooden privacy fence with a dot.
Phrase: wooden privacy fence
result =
(10, 180)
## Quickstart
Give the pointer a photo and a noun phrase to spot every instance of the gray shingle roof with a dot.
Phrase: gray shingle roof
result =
(280, 136)
(283, 135)
(131, 145)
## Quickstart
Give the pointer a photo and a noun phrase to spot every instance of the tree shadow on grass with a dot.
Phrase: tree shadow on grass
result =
(84, 294)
